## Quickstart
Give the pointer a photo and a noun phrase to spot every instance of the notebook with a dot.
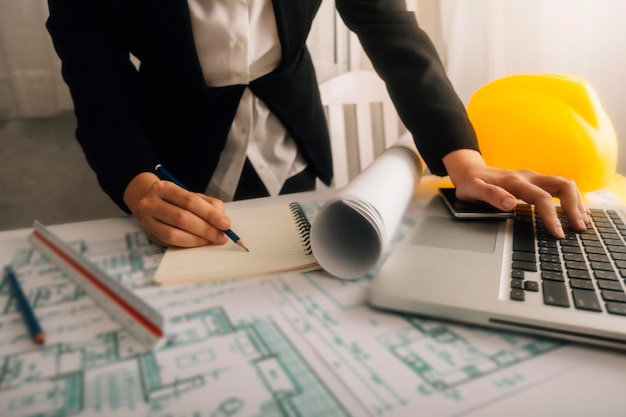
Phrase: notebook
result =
(277, 237)
(510, 274)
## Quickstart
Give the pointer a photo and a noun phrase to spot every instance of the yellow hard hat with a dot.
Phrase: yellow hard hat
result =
(552, 124)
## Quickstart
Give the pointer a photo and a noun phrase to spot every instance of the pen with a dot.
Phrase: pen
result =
(168, 176)
(24, 306)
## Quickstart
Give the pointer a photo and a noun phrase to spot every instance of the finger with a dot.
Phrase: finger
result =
(178, 209)
(165, 227)
(571, 201)
(218, 217)
(546, 210)
(544, 205)
(208, 209)
(523, 185)
(215, 202)
(165, 235)
(162, 233)
(489, 193)
(182, 222)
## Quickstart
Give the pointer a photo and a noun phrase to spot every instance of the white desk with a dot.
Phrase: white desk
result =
(332, 332)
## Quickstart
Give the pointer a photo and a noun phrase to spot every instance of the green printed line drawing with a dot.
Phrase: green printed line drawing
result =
(444, 360)
(435, 352)
(311, 318)
(66, 379)
(217, 367)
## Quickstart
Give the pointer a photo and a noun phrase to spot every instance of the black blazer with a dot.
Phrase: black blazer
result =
(129, 120)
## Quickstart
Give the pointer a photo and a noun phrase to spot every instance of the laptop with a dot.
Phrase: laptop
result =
(510, 274)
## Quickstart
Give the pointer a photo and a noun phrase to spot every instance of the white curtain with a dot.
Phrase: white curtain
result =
(30, 79)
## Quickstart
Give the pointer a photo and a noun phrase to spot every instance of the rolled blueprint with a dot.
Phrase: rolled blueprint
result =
(353, 230)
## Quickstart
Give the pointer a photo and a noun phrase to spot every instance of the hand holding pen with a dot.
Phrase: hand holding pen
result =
(172, 216)
(168, 176)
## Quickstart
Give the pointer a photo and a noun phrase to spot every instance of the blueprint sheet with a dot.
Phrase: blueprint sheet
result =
(292, 345)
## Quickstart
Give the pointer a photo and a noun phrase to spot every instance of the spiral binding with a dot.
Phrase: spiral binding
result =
(303, 226)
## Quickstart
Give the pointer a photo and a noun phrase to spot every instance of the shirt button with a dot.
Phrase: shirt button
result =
(239, 45)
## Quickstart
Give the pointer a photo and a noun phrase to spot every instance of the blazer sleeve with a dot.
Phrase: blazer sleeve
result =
(405, 58)
(103, 83)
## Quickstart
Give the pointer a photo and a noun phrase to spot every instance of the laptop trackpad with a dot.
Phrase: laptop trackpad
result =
(463, 235)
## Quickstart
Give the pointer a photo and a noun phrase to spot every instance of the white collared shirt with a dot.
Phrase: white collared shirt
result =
(237, 42)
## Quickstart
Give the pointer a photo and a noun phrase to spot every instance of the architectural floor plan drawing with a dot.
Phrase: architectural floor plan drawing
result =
(292, 345)
(232, 356)
(395, 363)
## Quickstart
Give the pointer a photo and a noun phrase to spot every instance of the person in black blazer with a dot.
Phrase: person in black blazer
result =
(129, 119)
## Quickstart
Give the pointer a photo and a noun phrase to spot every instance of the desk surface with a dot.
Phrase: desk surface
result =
(304, 342)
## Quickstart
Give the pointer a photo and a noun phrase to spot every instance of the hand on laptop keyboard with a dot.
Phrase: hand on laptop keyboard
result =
(475, 181)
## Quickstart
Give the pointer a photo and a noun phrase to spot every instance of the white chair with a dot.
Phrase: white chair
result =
(361, 119)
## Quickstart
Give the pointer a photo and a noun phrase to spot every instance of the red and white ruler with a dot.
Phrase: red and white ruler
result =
(142, 320)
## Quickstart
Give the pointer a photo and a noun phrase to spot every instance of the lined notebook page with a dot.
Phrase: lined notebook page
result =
(277, 241)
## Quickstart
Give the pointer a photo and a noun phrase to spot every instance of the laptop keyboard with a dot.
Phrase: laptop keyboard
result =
(585, 271)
